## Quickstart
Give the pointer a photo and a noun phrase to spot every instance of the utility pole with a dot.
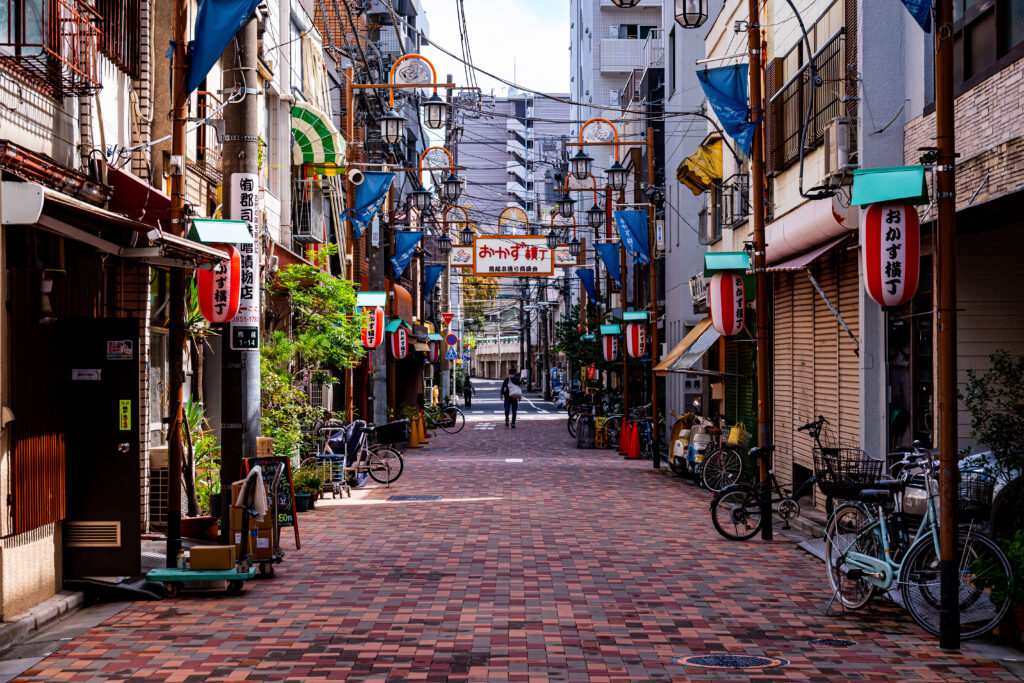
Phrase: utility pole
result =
(179, 99)
(240, 403)
(949, 582)
(652, 243)
(760, 274)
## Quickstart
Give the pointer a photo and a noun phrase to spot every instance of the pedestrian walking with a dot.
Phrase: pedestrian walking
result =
(511, 391)
(467, 392)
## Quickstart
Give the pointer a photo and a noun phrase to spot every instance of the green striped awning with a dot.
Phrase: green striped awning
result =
(317, 141)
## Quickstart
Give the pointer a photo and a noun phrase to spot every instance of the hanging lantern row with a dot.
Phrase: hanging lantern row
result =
(219, 289)
(891, 244)
(434, 352)
(636, 339)
(727, 302)
(373, 330)
(610, 347)
(399, 344)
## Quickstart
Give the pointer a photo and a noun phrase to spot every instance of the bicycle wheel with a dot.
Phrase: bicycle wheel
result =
(572, 424)
(452, 420)
(385, 464)
(849, 529)
(612, 428)
(736, 513)
(722, 468)
(984, 585)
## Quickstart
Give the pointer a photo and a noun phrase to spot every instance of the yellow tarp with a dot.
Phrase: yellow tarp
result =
(699, 169)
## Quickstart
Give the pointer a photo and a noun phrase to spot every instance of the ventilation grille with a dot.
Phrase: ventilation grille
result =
(92, 534)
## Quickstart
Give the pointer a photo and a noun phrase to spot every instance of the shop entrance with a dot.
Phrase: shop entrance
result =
(101, 535)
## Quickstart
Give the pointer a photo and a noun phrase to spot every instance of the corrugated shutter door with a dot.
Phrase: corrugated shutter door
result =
(848, 304)
(783, 377)
(741, 384)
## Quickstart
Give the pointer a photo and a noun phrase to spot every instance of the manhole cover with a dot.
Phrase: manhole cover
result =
(832, 642)
(726, 661)
(413, 499)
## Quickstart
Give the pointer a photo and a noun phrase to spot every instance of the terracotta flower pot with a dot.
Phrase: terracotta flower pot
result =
(199, 527)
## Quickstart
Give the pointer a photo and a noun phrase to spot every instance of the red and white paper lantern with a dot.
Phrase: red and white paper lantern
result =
(891, 243)
(399, 343)
(610, 346)
(636, 339)
(219, 289)
(434, 354)
(373, 331)
(728, 303)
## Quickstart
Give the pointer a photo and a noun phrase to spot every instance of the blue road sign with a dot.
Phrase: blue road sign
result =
(452, 340)
(452, 354)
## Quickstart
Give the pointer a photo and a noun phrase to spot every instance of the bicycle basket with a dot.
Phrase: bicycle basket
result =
(843, 472)
(975, 492)
(392, 432)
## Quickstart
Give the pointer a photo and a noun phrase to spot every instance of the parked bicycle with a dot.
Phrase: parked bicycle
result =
(869, 549)
(448, 417)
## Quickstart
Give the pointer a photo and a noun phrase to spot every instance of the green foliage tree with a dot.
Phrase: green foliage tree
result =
(477, 292)
(995, 400)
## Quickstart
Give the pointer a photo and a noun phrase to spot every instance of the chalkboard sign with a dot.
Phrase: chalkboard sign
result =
(269, 466)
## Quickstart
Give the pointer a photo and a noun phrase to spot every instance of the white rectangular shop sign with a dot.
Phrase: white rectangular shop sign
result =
(244, 328)
(513, 256)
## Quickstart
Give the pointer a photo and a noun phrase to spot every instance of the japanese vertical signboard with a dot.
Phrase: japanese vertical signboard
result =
(520, 256)
(890, 238)
(245, 326)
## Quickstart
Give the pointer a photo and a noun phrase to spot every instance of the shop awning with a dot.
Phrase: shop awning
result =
(804, 260)
(807, 227)
(371, 299)
(434, 336)
(218, 231)
(317, 141)
(715, 261)
(690, 350)
(395, 323)
(134, 198)
(698, 170)
(871, 185)
(421, 346)
(610, 329)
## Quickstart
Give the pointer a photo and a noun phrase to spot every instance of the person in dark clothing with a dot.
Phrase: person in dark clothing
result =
(511, 392)
(467, 392)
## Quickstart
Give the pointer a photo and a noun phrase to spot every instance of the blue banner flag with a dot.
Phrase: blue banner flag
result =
(633, 230)
(726, 90)
(586, 276)
(217, 22)
(609, 253)
(921, 10)
(405, 245)
(431, 274)
(370, 197)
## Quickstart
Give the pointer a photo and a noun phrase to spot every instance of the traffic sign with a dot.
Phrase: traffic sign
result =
(447, 318)
(452, 354)
(465, 357)
(451, 340)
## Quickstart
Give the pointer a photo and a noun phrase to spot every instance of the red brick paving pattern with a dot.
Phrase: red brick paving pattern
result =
(570, 566)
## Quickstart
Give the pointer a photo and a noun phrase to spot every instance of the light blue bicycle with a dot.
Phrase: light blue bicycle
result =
(869, 549)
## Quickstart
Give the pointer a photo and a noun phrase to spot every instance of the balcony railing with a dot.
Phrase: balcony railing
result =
(630, 93)
(654, 50)
(52, 43)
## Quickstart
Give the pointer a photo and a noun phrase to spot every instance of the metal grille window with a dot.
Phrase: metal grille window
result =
(121, 33)
(735, 200)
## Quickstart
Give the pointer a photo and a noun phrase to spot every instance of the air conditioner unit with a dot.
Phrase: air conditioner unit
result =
(840, 148)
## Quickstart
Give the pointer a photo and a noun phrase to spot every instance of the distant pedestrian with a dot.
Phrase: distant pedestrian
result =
(467, 392)
(511, 391)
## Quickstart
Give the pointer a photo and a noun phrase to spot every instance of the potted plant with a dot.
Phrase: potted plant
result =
(306, 483)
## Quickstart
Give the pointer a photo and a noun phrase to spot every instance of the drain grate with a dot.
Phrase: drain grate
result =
(413, 499)
(727, 661)
(832, 642)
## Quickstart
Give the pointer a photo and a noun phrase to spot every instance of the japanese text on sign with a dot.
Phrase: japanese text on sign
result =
(517, 256)
(124, 415)
(245, 326)
(893, 246)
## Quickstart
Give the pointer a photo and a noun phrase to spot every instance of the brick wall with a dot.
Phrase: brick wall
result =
(988, 137)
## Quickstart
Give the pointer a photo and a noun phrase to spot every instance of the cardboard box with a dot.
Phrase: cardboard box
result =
(215, 557)
(261, 545)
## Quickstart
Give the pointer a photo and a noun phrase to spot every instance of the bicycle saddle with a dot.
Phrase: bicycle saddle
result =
(874, 495)
(891, 485)
(760, 451)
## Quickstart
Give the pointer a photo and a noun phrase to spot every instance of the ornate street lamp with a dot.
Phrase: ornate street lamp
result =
(574, 247)
(691, 13)
(625, 4)
(466, 236)
(420, 198)
(616, 177)
(435, 111)
(392, 127)
(452, 187)
(444, 243)
(595, 216)
(581, 165)
(565, 206)
(553, 239)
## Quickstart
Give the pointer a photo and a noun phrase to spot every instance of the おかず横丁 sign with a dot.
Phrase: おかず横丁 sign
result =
(218, 289)
(727, 302)
(512, 256)
(891, 242)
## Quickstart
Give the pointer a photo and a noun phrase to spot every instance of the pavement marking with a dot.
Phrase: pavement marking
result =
(535, 406)
(513, 459)
(485, 426)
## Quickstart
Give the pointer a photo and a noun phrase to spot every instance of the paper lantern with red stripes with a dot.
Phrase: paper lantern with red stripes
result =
(219, 289)
(399, 343)
(891, 242)
(636, 339)
(728, 303)
(373, 331)
(434, 354)
(610, 346)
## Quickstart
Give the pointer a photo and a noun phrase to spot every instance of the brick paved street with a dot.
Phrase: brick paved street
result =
(567, 566)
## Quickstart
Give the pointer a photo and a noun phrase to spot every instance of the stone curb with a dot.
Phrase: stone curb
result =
(20, 627)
